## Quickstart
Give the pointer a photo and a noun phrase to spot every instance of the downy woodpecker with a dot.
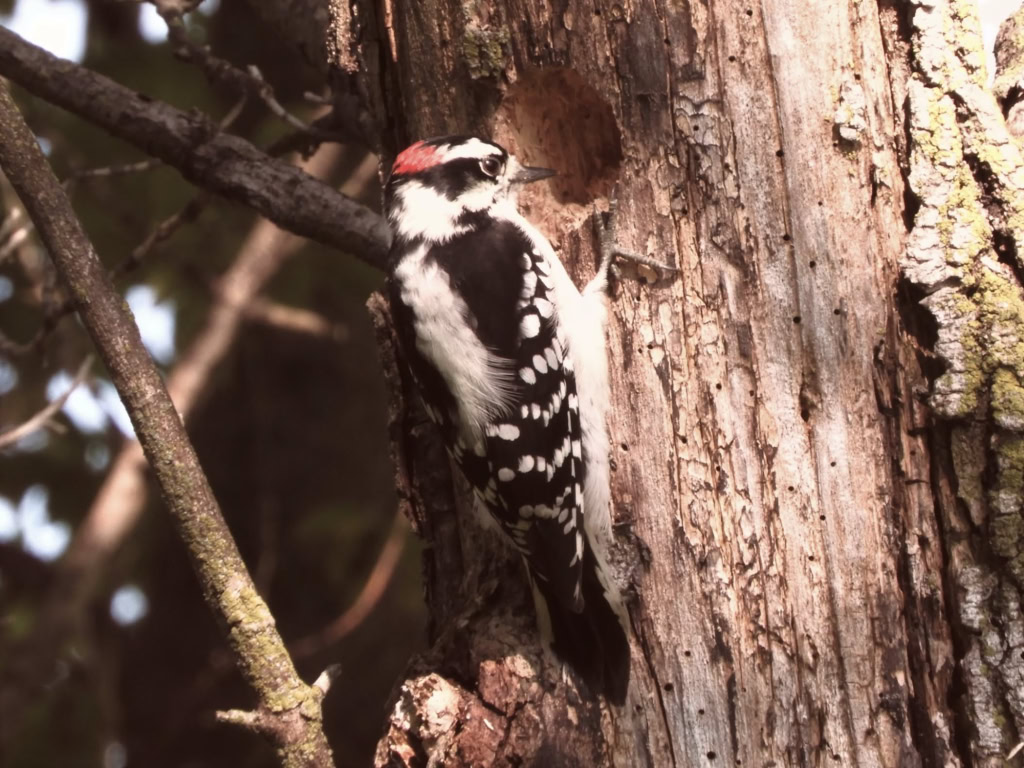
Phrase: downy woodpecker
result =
(509, 357)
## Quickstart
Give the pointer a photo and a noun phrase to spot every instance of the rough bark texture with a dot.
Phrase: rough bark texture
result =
(811, 548)
(965, 256)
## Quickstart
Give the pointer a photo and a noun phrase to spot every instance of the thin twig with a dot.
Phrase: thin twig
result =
(10, 244)
(294, 319)
(223, 164)
(223, 72)
(14, 215)
(13, 231)
(39, 420)
(110, 171)
(368, 598)
(163, 231)
(61, 309)
(250, 720)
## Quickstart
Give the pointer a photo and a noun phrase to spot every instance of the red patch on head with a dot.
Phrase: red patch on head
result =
(417, 157)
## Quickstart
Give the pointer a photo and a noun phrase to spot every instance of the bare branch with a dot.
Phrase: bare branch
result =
(120, 501)
(109, 171)
(251, 721)
(227, 587)
(223, 164)
(163, 231)
(218, 70)
(39, 420)
(295, 319)
(11, 243)
(370, 594)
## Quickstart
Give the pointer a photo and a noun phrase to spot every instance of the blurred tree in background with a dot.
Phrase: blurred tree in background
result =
(266, 335)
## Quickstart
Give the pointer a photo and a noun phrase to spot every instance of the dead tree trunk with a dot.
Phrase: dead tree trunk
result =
(816, 429)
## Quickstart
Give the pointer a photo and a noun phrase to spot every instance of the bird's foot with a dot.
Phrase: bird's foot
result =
(605, 230)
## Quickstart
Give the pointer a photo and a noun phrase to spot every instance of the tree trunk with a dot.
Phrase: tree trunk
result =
(816, 423)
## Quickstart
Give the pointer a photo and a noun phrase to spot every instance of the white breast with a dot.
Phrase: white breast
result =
(480, 381)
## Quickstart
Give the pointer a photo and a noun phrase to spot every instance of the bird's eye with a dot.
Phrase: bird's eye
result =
(491, 166)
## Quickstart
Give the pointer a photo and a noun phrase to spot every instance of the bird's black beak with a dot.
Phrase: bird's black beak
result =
(525, 174)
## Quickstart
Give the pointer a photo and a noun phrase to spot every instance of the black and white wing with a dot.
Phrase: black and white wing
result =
(521, 452)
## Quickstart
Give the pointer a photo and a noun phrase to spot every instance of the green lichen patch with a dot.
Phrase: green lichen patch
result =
(1006, 528)
(1007, 400)
(484, 49)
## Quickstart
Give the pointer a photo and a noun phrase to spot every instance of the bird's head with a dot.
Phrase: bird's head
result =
(441, 187)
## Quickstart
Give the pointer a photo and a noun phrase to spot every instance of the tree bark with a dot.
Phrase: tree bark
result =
(816, 426)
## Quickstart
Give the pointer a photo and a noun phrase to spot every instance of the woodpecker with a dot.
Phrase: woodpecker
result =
(510, 360)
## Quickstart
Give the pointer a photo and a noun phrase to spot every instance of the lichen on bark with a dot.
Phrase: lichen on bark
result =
(964, 253)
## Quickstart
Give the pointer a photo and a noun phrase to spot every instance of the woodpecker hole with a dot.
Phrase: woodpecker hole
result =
(553, 118)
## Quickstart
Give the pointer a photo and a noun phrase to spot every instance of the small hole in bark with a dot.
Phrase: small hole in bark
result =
(821, 517)
(685, 440)
(717, 386)
(779, 153)
(668, 41)
(700, 711)
(555, 119)
(687, 654)
(750, 392)
(623, 446)
(749, 12)
(732, 58)
(832, 464)
(712, 755)
(856, 76)
(813, 263)
(668, 687)
(837, 311)
(810, 557)
(791, 488)
(805, 414)
(796, 320)
(786, 238)
(821, 203)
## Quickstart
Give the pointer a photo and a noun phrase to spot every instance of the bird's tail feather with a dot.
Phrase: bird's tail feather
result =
(593, 641)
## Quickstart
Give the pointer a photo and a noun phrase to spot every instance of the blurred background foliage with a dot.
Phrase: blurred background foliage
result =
(290, 429)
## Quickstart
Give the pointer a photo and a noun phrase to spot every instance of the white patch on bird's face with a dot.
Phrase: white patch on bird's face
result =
(421, 212)
(482, 383)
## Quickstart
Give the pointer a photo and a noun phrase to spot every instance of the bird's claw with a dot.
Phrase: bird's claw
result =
(605, 231)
